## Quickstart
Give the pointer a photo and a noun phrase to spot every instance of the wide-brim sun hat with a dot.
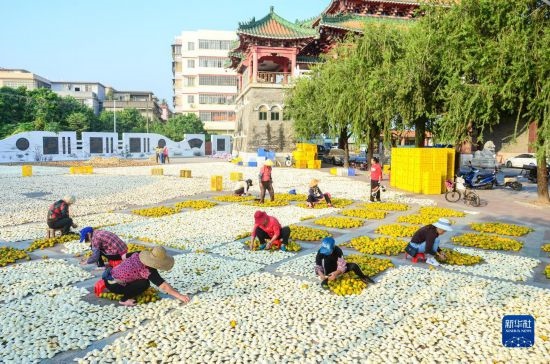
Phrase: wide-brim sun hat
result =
(327, 246)
(157, 258)
(84, 232)
(314, 182)
(70, 199)
(259, 216)
(268, 163)
(443, 224)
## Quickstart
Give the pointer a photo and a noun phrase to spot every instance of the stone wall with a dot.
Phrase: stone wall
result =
(252, 133)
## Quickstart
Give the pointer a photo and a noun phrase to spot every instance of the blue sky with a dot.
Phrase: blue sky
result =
(121, 43)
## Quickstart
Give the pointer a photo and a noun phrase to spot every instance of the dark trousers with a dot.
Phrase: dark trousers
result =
(374, 190)
(266, 185)
(262, 235)
(100, 262)
(130, 290)
(239, 192)
(313, 199)
(64, 224)
(351, 267)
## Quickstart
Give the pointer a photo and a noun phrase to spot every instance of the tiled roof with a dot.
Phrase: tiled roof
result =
(274, 27)
(355, 23)
(308, 59)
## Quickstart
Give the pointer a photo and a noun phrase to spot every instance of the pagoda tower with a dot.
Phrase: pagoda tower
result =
(272, 51)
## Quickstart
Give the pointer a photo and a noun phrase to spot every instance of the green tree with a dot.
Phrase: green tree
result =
(180, 124)
(127, 120)
(78, 121)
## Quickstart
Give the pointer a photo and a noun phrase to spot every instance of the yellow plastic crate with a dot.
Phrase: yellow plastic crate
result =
(299, 155)
(311, 156)
(301, 164)
(157, 171)
(333, 171)
(185, 173)
(26, 171)
(216, 183)
(235, 176)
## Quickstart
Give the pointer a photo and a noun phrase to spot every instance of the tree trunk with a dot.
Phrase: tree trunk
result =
(343, 144)
(542, 179)
(420, 131)
(370, 153)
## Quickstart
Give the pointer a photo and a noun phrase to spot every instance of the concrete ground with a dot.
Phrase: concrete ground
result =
(503, 205)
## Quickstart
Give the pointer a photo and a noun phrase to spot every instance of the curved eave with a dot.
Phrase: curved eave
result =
(254, 35)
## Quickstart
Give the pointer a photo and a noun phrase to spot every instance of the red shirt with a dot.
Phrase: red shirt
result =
(273, 228)
(265, 173)
(375, 172)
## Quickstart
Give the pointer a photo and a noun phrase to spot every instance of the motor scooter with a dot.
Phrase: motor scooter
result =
(477, 179)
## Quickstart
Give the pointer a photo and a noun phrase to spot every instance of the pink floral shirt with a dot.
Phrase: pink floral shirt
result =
(131, 269)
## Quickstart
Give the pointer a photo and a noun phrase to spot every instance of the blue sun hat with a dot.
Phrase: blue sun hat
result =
(84, 232)
(327, 246)
(292, 192)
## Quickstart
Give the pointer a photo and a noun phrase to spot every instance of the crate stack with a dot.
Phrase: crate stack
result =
(81, 170)
(216, 183)
(26, 171)
(235, 176)
(305, 156)
(421, 170)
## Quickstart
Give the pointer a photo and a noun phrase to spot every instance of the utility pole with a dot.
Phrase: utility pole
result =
(114, 115)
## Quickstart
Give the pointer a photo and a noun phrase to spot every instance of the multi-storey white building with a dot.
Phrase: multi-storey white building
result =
(91, 94)
(201, 82)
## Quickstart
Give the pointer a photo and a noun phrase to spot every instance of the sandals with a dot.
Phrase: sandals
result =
(129, 302)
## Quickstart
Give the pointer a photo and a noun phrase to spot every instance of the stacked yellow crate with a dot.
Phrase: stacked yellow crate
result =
(421, 170)
(157, 171)
(235, 176)
(305, 156)
(81, 170)
(26, 171)
(216, 183)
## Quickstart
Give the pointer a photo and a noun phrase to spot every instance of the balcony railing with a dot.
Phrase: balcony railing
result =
(279, 78)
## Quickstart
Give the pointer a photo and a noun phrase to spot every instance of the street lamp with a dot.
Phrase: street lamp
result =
(114, 115)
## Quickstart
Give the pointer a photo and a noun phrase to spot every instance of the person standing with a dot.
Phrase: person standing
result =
(103, 244)
(165, 153)
(59, 217)
(266, 181)
(268, 227)
(157, 154)
(375, 179)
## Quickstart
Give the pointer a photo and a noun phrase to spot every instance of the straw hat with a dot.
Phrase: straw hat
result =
(70, 199)
(443, 224)
(314, 182)
(268, 163)
(157, 258)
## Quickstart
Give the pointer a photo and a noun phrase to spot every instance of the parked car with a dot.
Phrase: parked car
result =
(335, 156)
(321, 151)
(361, 157)
(519, 160)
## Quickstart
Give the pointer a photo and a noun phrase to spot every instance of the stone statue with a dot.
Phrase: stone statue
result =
(485, 158)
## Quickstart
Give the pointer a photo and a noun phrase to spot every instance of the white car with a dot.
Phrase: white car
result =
(520, 160)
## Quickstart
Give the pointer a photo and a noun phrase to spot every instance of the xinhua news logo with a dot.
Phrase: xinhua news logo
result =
(518, 331)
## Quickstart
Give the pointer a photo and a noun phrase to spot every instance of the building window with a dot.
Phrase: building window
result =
(190, 63)
(275, 113)
(212, 62)
(216, 99)
(77, 89)
(189, 81)
(87, 88)
(190, 99)
(214, 44)
(263, 113)
(190, 46)
(217, 116)
(210, 80)
(176, 50)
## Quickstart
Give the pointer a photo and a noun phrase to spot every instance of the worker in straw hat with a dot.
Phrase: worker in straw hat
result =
(131, 277)
(315, 194)
(426, 240)
(59, 217)
(266, 181)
